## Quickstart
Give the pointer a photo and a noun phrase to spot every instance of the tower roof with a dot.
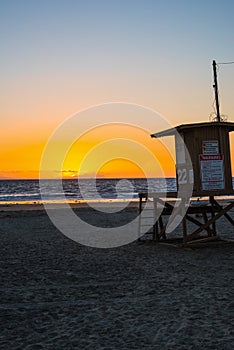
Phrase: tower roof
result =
(186, 127)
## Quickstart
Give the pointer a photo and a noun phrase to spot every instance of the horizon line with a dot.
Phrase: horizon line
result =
(87, 178)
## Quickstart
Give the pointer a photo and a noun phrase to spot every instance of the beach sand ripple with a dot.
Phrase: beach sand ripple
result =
(57, 294)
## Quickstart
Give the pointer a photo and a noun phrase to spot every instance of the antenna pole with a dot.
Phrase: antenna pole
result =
(215, 86)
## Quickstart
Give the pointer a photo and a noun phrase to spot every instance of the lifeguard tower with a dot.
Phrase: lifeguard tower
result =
(207, 173)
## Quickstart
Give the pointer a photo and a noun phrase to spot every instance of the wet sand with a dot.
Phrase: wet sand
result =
(58, 294)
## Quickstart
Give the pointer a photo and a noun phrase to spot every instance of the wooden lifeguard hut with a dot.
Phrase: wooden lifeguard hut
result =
(203, 175)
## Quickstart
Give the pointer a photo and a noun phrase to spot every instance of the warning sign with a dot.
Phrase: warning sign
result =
(212, 174)
(210, 147)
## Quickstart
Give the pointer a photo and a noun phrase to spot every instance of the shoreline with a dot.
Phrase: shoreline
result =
(82, 203)
(32, 205)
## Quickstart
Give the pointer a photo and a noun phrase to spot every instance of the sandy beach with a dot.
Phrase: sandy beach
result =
(58, 294)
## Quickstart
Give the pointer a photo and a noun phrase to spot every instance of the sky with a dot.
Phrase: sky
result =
(60, 57)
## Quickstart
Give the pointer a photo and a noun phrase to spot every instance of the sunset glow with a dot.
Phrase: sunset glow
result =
(57, 60)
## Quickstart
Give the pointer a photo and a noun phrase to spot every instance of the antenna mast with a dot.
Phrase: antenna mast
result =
(215, 86)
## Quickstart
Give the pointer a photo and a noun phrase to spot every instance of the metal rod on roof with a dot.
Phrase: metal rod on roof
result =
(215, 86)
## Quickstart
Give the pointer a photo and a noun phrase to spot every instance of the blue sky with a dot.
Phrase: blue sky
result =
(135, 50)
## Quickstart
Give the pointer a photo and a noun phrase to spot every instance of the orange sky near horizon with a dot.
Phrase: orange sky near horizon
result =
(132, 143)
(120, 151)
(21, 160)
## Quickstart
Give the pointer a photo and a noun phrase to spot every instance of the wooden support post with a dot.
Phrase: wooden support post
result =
(209, 230)
(210, 213)
(228, 217)
(155, 232)
(213, 214)
(141, 196)
(162, 228)
(155, 227)
(210, 221)
(184, 223)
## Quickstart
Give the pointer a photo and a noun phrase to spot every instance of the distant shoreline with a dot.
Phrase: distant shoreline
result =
(88, 178)
(38, 205)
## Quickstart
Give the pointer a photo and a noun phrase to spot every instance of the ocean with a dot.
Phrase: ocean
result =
(16, 191)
